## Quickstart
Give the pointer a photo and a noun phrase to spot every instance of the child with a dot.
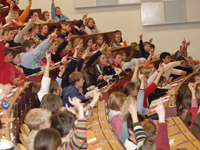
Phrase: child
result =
(77, 81)
(6, 19)
(116, 41)
(34, 34)
(73, 136)
(67, 51)
(169, 66)
(186, 105)
(9, 3)
(11, 38)
(37, 119)
(117, 62)
(9, 73)
(5, 36)
(47, 139)
(20, 19)
(124, 57)
(56, 13)
(43, 32)
(45, 17)
(89, 42)
(115, 101)
(29, 52)
(145, 47)
(53, 29)
(34, 15)
(16, 62)
(90, 26)
(79, 27)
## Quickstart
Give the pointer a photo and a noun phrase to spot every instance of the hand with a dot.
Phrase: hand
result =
(76, 27)
(183, 73)
(188, 43)
(169, 79)
(52, 1)
(137, 64)
(32, 21)
(1, 29)
(7, 88)
(105, 77)
(64, 59)
(30, 2)
(48, 56)
(150, 40)
(70, 109)
(140, 36)
(192, 87)
(95, 26)
(110, 49)
(141, 77)
(7, 45)
(133, 111)
(89, 95)
(182, 62)
(24, 32)
(76, 102)
(160, 109)
(160, 68)
(183, 42)
(84, 16)
(103, 46)
(53, 36)
(62, 68)
(96, 98)
(69, 36)
(77, 49)
(61, 14)
(100, 77)
(87, 51)
(11, 5)
(91, 88)
(16, 80)
(152, 52)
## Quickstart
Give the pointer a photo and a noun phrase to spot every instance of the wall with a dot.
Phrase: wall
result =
(127, 18)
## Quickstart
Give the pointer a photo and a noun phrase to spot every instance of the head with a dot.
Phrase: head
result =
(196, 125)
(5, 35)
(15, 14)
(45, 16)
(8, 55)
(147, 46)
(63, 122)
(110, 58)
(82, 28)
(78, 41)
(117, 58)
(54, 46)
(165, 57)
(186, 102)
(116, 38)
(149, 143)
(135, 53)
(119, 32)
(162, 81)
(11, 34)
(90, 22)
(38, 118)
(102, 60)
(99, 39)
(77, 79)
(28, 46)
(35, 29)
(53, 29)
(184, 89)
(130, 89)
(69, 24)
(68, 47)
(123, 53)
(44, 29)
(54, 87)
(58, 11)
(16, 56)
(51, 102)
(89, 42)
(47, 139)
(149, 128)
(34, 14)
(188, 119)
(197, 77)
(115, 100)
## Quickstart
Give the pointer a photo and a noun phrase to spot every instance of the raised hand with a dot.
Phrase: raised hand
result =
(1, 30)
(183, 42)
(32, 21)
(192, 87)
(183, 73)
(24, 32)
(137, 64)
(76, 102)
(30, 2)
(188, 43)
(103, 46)
(69, 36)
(141, 77)
(150, 40)
(160, 109)
(140, 36)
(161, 68)
(48, 56)
(133, 111)
(70, 109)
(84, 16)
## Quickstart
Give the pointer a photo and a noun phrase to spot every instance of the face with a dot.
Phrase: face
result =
(111, 60)
(46, 125)
(55, 46)
(100, 40)
(31, 48)
(147, 48)
(117, 38)
(118, 59)
(137, 47)
(80, 83)
(103, 60)
(35, 15)
(15, 15)
(82, 28)
(167, 59)
(90, 43)
(36, 30)
(68, 47)
(90, 23)
(45, 30)
(8, 57)
(124, 56)
(134, 92)
(80, 43)
(197, 79)
(16, 2)
(46, 16)
(163, 83)
(17, 59)
(6, 37)
(58, 11)
(11, 35)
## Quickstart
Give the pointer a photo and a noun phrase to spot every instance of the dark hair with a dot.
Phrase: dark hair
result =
(162, 79)
(163, 55)
(128, 87)
(15, 52)
(145, 43)
(27, 43)
(86, 41)
(53, 28)
(32, 12)
(130, 121)
(63, 122)
(149, 143)
(186, 101)
(53, 86)
(115, 54)
(75, 76)
(5, 30)
(153, 46)
(47, 139)
(51, 102)
(196, 125)
(149, 127)
(8, 50)
(188, 119)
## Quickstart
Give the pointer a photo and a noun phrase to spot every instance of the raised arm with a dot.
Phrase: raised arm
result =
(10, 14)
(53, 14)
(2, 48)
(140, 97)
(135, 74)
(25, 13)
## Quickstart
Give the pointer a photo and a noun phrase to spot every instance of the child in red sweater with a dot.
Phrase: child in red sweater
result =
(8, 72)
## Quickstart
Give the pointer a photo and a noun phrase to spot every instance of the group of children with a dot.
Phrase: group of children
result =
(52, 119)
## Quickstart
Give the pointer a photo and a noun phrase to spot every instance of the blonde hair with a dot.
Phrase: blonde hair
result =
(113, 39)
(37, 116)
(98, 36)
(76, 41)
(115, 100)
(124, 109)
(86, 23)
(42, 17)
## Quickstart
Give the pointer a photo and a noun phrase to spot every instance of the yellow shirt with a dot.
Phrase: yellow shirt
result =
(23, 16)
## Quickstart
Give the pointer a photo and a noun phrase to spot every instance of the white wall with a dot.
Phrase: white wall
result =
(127, 18)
